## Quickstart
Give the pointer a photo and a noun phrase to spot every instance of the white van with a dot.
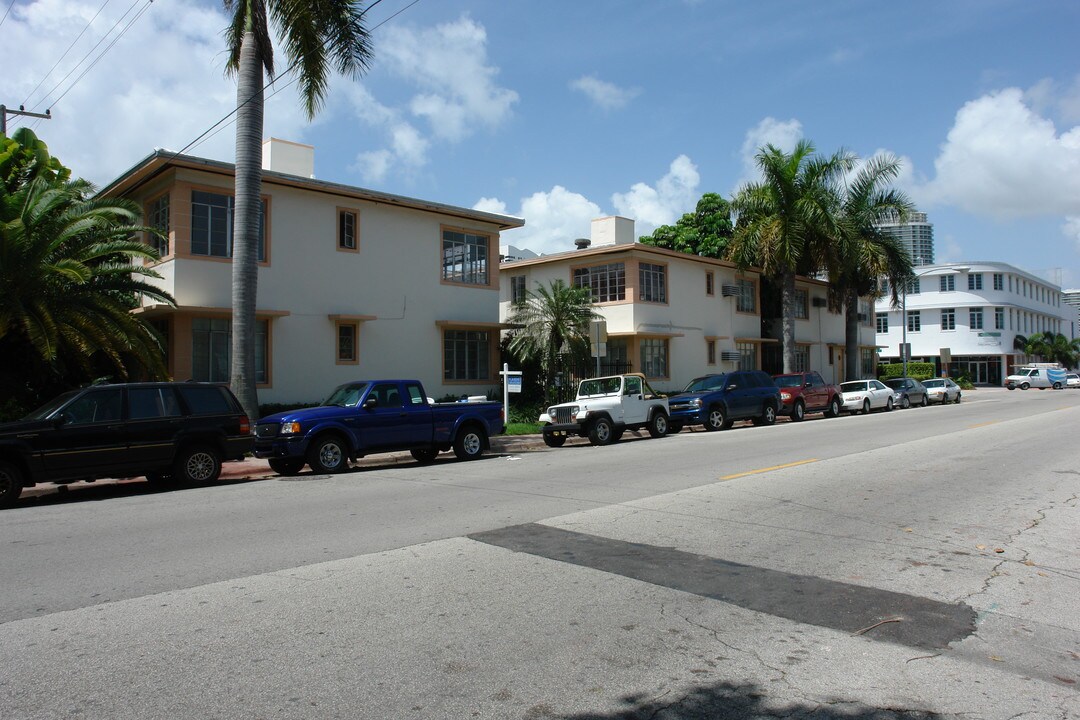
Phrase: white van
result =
(1038, 375)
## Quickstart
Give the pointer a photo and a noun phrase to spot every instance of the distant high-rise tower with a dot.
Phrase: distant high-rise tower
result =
(916, 234)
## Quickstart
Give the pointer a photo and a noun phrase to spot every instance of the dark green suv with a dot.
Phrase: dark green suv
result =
(165, 431)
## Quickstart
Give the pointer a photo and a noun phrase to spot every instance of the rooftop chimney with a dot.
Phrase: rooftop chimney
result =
(289, 158)
(612, 231)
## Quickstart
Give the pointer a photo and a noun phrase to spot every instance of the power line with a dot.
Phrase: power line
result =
(72, 45)
(10, 5)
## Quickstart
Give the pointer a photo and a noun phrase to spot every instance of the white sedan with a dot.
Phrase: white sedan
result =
(941, 390)
(1072, 380)
(866, 395)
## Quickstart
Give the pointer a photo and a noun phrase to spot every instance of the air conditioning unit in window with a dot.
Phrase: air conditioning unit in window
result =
(819, 302)
(729, 290)
(731, 356)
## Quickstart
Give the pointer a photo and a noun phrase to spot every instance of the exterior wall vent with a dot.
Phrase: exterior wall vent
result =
(731, 356)
(729, 290)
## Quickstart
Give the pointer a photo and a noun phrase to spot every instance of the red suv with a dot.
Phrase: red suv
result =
(805, 392)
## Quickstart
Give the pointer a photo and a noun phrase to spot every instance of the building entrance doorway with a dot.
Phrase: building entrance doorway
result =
(983, 370)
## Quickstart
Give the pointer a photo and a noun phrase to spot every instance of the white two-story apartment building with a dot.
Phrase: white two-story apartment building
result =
(972, 311)
(352, 283)
(674, 316)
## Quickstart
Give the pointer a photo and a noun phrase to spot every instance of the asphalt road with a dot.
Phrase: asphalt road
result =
(835, 568)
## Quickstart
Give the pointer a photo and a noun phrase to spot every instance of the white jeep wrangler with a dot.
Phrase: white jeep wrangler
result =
(604, 408)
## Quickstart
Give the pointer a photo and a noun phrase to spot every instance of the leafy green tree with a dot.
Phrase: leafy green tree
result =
(552, 321)
(786, 223)
(318, 37)
(705, 232)
(1050, 347)
(68, 282)
(863, 253)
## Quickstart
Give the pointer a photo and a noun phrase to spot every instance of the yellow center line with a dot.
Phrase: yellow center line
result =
(768, 469)
(992, 422)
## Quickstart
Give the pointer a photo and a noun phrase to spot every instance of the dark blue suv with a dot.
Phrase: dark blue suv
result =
(717, 401)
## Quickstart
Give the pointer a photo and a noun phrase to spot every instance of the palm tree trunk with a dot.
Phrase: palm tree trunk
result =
(249, 128)
(787, 327)
(852, 371)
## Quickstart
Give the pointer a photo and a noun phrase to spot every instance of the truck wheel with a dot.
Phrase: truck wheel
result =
(767, 417)
(286, 466)
(1024, 386)
(553, 440)
(601, 432)
(469, 444)
(834, 408)
(1057, 386)
(10, 484)
(328, 455)
(617, 433)
(196, 465)
(658, 425)
(798, 411)
(424, 455)
(718, 419)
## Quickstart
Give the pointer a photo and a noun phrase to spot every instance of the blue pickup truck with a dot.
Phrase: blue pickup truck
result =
(367, 417)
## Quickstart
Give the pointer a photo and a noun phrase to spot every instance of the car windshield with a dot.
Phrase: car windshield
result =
(708, 383)
(788, 381)
(600, 386)
(897, 384)
(347, 395)
(43, 412)
(853, 386)
(933, 383)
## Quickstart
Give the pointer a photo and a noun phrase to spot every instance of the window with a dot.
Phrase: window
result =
(975, 281)
(866, 361)
(346, 234)
(999, 318)
(948, 318)
(947, 283)
(914, 321)
(212, 225)
(747, 355)
(654, 357)
(148, 403)
(975, 316)
(157, 217)
(517, 289)
(883, 322)
(211, 345)
(465, 257)
(802, 358)
(653, 281)
(802, 304)
(97, 406)
(347, 342)
(864, 313)
(710, 352)
(710, 287)
(747, 301)
(415, 396)
(203, 400)
(999, 281)
(606, 282)
(466, 355)
(915, 287)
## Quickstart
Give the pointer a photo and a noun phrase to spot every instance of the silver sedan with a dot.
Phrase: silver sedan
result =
(942, 390)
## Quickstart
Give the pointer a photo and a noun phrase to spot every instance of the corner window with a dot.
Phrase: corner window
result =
(654, 357)
(802, 358)
(882, 322)
(606, 282)
(211, 346)
(212, 225)
(866, 361)
(348, 335)
(465, 257)
(747, 299)
(466, 355)
(999, 281)
(653, 281)
(157, 217)
(747, 355)
(347, 229)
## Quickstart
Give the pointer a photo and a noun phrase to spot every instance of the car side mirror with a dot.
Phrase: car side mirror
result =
(731, 387)
(370, 403)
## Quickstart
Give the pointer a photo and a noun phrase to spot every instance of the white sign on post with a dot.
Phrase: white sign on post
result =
(513, 384)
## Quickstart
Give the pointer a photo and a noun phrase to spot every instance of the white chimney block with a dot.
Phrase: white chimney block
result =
(290, 158)
(612, 231)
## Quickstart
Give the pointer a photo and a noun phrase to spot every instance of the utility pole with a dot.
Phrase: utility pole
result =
(4, 112)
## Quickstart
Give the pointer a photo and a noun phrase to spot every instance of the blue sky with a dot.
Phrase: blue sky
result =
(562, 111)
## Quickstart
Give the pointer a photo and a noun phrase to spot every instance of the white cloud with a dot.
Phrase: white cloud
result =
(1071, 230)
(604, 94)
(770, 131)
(491, 205)
(373, 166)
(1003, 159)
(650, 207)
(553, 220)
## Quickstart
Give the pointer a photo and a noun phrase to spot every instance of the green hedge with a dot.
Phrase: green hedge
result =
(917, 370)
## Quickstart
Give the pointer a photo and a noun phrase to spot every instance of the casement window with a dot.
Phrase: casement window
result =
(517, 289)
(465, 257)
(348, 343)
(975, 281)
(864, 313)
(211, 346)
(975, 316)
(802, 358)
(915, 287)
(710, 352)
(654, 357)
(212, 225)
(348, 224)
(607, 283)
(710, 283)
(466, 355)
(914, 321)
(747, 355)
(653, 281)
(866, 361)
(948, 318)
(947, 283)
(747, 298)
(882, 322)
(999, 318)
(802, 304)
(157, 217)
(999, 281)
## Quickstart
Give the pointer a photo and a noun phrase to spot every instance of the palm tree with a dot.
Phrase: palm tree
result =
(317, 36)
(67, 274)
(863, 252)
(785, 222)
(552, 320)
(1051, 347)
